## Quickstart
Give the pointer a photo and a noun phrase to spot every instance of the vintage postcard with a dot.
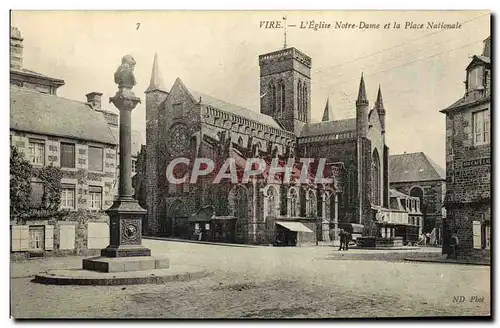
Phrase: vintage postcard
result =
(250, 164)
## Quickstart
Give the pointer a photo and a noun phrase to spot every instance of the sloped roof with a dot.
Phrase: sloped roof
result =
(321, 128)
(414, 167)
(51, 115)
(36, 74)
(469, 102)
(398, 194)
(479, 58)
(207, 100)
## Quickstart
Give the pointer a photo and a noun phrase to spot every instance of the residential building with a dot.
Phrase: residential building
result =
(468, 158)
(416, 174)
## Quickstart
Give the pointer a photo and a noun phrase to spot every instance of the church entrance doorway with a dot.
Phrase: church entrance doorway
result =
(176, 224)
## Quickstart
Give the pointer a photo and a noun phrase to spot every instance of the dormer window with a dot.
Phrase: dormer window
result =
(475, 78)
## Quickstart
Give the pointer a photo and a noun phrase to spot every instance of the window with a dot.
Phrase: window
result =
(134, 165)
(95, 196)
(475, 78)
(279, 97)
(272, 94)
(283, 97)
(271, 202)
(312, 204)
(299, 100)
(37, 240)
(481, 122)
(67, 155)
(293, 201)
(36, 151)
(376, 183)
(68, 196)
(177, 110)
(95, 158)
(304, 103)
(36, 194)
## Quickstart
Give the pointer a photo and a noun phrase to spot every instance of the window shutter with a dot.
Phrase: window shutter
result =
(15, 238)
(476, 233)
(25, 238)
(49, 237)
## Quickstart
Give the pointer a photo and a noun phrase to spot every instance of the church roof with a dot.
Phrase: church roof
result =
(328, 127)
(414, 167)
(51, 115)
(156, 82)
(208, 100)
(326, 114)
(362, 91)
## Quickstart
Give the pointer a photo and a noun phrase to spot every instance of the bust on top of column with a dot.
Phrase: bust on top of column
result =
(124, 77)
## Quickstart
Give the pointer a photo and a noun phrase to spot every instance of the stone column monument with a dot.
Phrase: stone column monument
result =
(125, 215)
(125, 261)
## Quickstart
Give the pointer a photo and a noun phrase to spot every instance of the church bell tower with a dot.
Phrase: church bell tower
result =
(285, 88)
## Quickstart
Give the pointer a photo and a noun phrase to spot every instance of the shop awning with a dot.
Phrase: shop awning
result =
(294, 226)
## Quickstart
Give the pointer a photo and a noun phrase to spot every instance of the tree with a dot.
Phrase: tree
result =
(51, 178)
(20, 182)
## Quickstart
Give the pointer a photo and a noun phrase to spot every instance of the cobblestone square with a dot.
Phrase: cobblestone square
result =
(265, 282)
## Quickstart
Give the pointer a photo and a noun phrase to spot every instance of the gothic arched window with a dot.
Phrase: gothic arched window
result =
(417, 191)
(272, 96)
(241, 202)
(293, 201)
(240, 141)
(271, 201)
(283, 98)
(351, 185)
(299, 99)
(304, 101)
(312, 204)
(375, 178)
(278, 97)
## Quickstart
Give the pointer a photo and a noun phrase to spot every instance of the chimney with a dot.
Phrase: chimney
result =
(16, 48)
(94, 99)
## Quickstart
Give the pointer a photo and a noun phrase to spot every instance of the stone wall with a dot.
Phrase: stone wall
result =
(80, 177)
(468, 175)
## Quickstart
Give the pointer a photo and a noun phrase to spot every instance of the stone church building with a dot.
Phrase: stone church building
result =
(182, 122)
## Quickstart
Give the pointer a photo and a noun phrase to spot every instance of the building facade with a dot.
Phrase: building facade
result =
(182, 122)
(76, 136)
(468, 155)
(417, 175)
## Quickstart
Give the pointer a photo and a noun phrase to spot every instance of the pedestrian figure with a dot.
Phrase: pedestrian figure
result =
(342, 239)
(453, 246)
(347, 239)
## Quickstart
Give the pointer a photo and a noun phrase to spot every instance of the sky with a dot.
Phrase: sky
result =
(420, 71)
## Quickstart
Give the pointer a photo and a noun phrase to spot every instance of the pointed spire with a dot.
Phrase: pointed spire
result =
(156, 82)
(379, 103)
(326, 114)
(362, 100)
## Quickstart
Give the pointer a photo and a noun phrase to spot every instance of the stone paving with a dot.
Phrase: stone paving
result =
(266, 282)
